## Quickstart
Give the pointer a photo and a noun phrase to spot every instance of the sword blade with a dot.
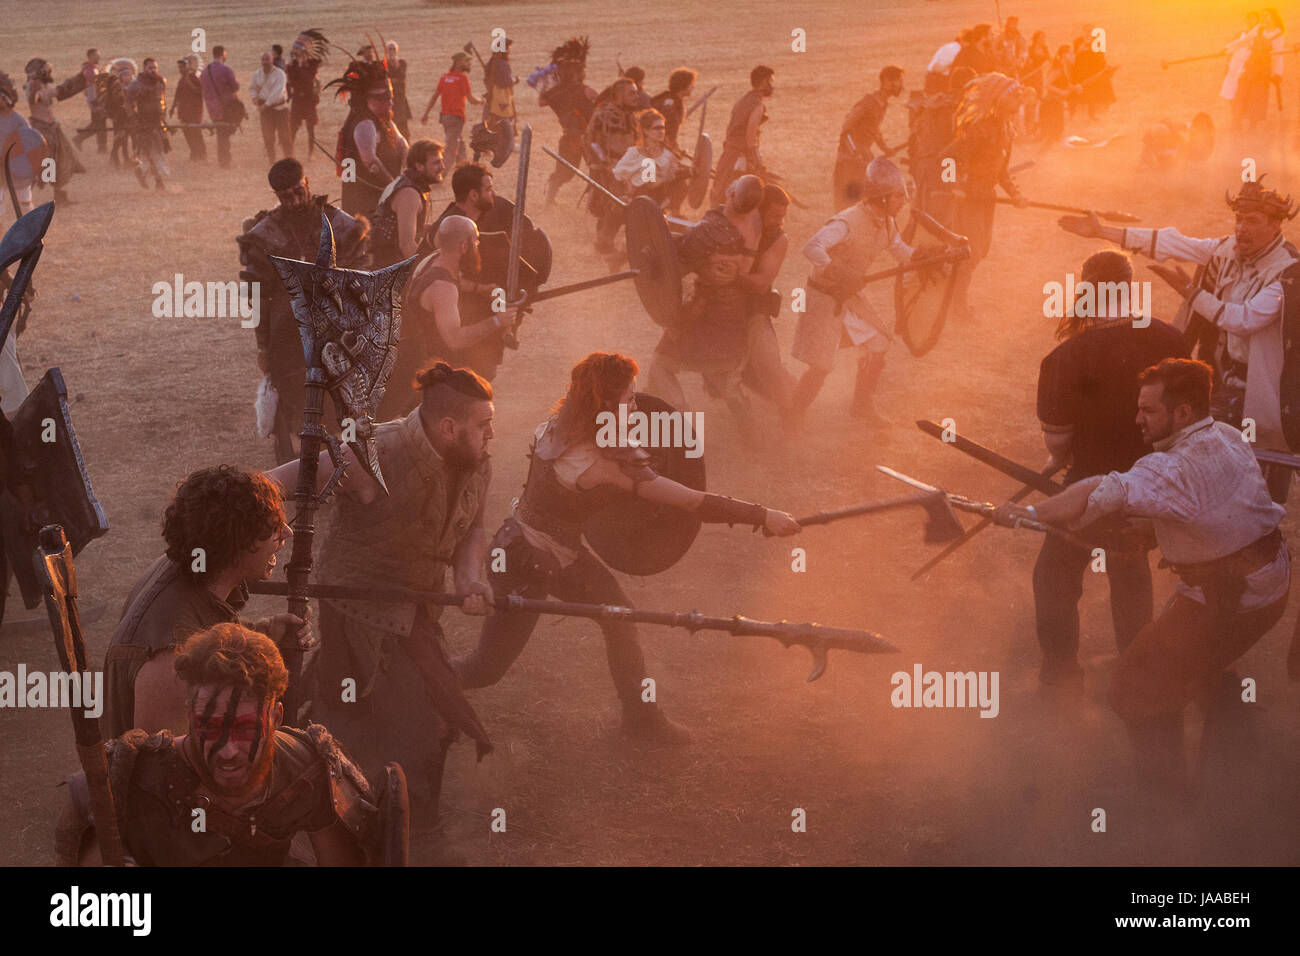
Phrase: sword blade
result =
(517, 226)
(591, 182)
(982, 453)
(700, 102)
(909, 480)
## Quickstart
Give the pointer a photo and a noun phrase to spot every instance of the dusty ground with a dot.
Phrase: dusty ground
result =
(158, 398)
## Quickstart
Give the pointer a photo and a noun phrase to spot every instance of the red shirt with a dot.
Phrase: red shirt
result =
(454, 88)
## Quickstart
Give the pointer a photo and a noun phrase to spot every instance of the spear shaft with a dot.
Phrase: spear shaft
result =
(817, 638)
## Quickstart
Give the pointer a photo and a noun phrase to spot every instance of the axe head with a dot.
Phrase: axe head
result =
(941, 522)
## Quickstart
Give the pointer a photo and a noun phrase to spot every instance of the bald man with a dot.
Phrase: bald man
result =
(720, 251)
(432, 324)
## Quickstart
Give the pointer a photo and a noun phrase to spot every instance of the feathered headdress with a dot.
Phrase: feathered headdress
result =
(314, 43)
(361, 77)
(981, 97)
(572, 50)
(1255, 198)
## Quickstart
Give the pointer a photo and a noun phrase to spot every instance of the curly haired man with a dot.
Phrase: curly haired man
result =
(223, 529)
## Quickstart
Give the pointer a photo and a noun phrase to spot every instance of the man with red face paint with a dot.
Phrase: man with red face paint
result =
(238, 786)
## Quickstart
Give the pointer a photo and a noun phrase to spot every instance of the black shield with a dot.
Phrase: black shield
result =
(636, 536)
(47, 483)
(653, 253)
(494, 247)
(499, 142)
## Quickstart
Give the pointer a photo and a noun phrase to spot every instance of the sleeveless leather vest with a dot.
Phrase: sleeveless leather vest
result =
(548, 505)
(405, 539)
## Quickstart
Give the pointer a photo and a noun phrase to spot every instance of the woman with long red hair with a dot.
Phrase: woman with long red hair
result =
(571, 476)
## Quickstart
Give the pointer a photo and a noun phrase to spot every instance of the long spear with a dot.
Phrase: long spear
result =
(818, 638)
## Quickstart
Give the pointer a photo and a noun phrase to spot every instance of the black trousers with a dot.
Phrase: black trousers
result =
(1058, 585)
(534, 575)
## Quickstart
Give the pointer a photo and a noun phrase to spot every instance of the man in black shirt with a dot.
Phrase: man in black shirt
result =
(1087, 394)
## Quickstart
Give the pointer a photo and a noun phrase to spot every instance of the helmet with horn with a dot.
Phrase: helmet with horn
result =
(1253, 197)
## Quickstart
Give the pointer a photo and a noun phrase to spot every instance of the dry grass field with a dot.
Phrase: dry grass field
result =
(157, 398)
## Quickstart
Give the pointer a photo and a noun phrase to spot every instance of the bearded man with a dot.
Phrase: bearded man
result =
(439, 320)
(398, 221)
(385, 680)
(146, 99)
(42, 94)
(369, 137)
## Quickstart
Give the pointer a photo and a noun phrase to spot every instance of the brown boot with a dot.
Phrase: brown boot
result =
(869, 371)
(648, 724)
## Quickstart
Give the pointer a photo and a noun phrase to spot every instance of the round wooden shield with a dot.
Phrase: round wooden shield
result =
(636, 536)
(703, 167)
(26, 150)
(652, 252)
(499, 142)
(494, 246)
(921, 301)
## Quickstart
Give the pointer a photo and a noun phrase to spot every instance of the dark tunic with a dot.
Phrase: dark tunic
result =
(304, 91)
(674, 109)
(401, 106)
(361, 197)
(384, 247)
(162, 610)
(1089, 382)
(714, 338)
(189, 99)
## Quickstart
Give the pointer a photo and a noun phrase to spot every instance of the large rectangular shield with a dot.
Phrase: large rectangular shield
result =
(45, 483)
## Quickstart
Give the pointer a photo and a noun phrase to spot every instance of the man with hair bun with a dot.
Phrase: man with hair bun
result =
(235, 789)
(569, 477)
(385, 683)
(223, 529)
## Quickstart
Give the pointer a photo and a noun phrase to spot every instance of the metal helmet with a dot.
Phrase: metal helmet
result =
(884, 178)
